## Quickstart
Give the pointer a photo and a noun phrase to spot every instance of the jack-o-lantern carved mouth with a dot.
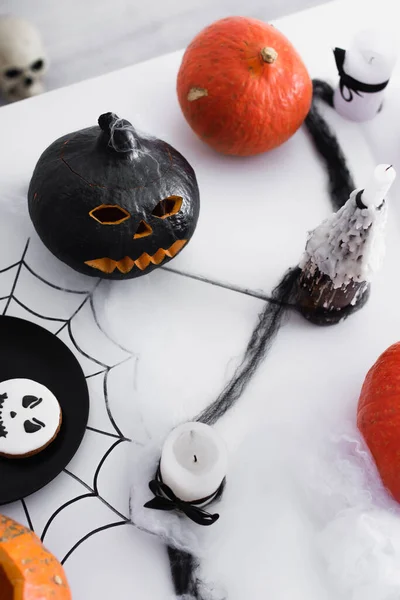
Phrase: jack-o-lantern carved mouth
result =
(3, 430)
(126, 264)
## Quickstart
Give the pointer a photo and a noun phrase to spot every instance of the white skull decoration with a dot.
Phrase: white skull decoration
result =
(22, 59)
(30, 417)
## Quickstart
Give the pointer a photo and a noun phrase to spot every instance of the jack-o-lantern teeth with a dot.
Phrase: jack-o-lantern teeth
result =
(144, 260)
(143, 230)
(174, 249)
(109, 214)
(158, 257)
(106, 265)
(126, 264)
(168, 207)
(3, 430)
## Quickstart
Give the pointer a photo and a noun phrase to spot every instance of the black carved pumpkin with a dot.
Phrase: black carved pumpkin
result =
(111, 203)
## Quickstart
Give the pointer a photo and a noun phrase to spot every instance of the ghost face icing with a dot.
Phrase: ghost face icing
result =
(30, 417)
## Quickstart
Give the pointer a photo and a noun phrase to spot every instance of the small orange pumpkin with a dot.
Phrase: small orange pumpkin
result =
(378, 416)
(27, 570)
(242, 86)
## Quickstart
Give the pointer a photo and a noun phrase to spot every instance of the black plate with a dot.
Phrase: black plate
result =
(29, 351)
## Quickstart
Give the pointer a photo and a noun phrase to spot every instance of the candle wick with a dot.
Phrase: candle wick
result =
(389, 167)
(371, 59)
(195, 458)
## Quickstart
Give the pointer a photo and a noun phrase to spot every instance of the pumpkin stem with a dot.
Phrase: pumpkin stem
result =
(120, 134)
(269, 55)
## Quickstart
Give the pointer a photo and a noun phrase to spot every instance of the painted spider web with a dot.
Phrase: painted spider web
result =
(88, 496)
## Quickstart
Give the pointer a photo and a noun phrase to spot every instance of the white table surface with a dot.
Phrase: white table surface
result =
(179, 338)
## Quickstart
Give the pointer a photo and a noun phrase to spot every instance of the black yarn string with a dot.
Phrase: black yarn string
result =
(184, 565)
(341, 183)
(322, 91)
(183, 568)
(267, 327)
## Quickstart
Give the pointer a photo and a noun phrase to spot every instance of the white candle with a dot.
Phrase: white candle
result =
(379, 185)
(369, 60)
(193, 461)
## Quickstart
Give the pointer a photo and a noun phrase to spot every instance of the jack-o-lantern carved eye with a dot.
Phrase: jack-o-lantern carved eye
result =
(31, 401)
(33, 425)
(168, 207)
(143, 230)
(109, 214)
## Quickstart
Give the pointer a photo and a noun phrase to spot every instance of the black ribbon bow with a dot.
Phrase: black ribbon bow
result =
(349, 83)
(165, 499)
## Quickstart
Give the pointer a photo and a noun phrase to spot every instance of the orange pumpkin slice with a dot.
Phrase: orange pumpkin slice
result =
(27, 570)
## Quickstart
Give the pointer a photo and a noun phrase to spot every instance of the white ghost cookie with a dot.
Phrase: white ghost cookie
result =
(30, 417)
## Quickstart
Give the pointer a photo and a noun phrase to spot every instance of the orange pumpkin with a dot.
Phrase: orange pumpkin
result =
(27, 570)
(242, 86)
(378, 416)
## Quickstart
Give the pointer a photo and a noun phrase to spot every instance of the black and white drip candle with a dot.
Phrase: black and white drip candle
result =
(344, 252)
(191, 473)
(364, 73)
